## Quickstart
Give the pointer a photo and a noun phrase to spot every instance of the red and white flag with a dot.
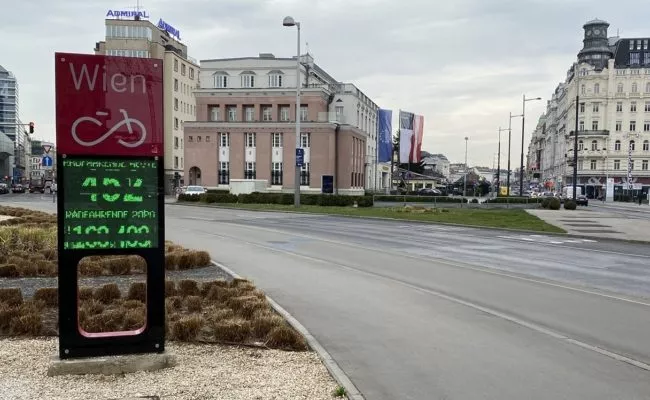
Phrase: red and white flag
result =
(411, 128)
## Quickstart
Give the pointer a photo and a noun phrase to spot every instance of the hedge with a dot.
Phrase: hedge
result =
(326, 200)
(515, 200)
(420, 199)
(569, 205)
(218, 191)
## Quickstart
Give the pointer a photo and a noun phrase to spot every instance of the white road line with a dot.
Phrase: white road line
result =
(526, 324)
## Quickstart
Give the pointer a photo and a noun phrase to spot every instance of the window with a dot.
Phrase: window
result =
(646, 145)
(276, 173)
(175, 65)
(175, 85)
(183, 69)
(303, 113)
(250, 138)
(635, 87)
(249, 171)
(597, 88)
(582, 107)
(594, 125)
(645, 44)
(592, 164)
(198, 139)
(617, 145)
(224, 173)
(632, 145)
(250, 113)
(596, 107)
(175, 162)
(190, 138)
(580, 165)
(214, 113)
(635, 58)
(175, 142)
(644, 165)
(276, 139)
(266, 113)
(275, 80)
(581, 126)
(221, 81)
(617, 164)
(646, 126)
(182, 165)
(619, 126)
(284, 113)
(632, 126)
(232, 113)
(305, 140)
(630, 164)
(647, 85)
(224, 139)
(175, 104)
(583, 72)
(248, 81)
(191, 73)
(619, 88)
(339, 113)
(175, 123)
(633, 106)
(619, 106)
(304, 175)
(594, 145)
(581, 145)
(583, 89)
(207, 138)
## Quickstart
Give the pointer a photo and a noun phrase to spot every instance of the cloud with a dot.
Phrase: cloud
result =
(463, 64)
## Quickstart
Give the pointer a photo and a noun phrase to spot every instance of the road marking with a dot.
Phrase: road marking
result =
(546, 239)
(487, 310)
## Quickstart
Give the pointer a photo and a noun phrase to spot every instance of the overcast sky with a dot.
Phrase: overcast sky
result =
(463, 64)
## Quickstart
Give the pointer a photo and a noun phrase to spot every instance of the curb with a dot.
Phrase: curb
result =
(569, 235)
(337, 373)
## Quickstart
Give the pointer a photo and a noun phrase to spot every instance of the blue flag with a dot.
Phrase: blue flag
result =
(384, 137)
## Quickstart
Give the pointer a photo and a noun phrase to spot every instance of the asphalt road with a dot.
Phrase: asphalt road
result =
(416, 311)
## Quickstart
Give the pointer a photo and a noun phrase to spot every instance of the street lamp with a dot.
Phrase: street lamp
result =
(289, 21)
(523, 124)
(465, 180)
(499, 162)
(509, 139)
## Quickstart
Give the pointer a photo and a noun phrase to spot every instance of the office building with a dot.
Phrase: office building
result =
(14, 140)
(138, 37)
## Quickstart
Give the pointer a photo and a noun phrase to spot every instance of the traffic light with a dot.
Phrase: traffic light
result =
(31, 127)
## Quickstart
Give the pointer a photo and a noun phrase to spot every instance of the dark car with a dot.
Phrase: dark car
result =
(582, 200)
(18, 189)
(429, 192)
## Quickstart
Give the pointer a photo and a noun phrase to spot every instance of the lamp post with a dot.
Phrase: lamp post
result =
(509, 139)
(289, 21)
(499, 163)
(523, 125)
(465, 180)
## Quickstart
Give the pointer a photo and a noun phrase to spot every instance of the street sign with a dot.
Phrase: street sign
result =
(300, 157)
(46, 161)
(109, 120)
(327, 185)
(46, 149)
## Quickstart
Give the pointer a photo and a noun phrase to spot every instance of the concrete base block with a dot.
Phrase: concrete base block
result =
(112, 365)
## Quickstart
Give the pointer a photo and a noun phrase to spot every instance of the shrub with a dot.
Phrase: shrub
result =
(173, 303)
(418, 199)
(475, 201)
(284, 337)
(117, 265)
(92, 307)
(137, 264)
(107, 293)
(11, 296)
(554, 204)
(138, 291)
(133, 304)
(27, 324)
(46, 268)
(90, 267)
(134, 319)
(194, 303)
(206, 286)
(220, 294)
(546, 202)
(264, 323)
(570, 205)
(108, 321)
(187, 328)
(50, 296)
(218, 191)
(85, 293)
(171, 261)
(234, 330)
(188, 287)
(9, 271)
(246, 306)
(8, 313)
(170, 288)
(29, 269)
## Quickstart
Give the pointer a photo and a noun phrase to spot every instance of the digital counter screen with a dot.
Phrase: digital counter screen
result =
(110, 204)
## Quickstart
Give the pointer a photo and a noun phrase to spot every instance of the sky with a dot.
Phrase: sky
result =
(463, 64)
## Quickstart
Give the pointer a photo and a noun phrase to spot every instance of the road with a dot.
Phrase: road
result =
(416, 311)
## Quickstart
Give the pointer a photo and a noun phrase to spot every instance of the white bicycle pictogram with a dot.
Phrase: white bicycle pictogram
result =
(128, 121)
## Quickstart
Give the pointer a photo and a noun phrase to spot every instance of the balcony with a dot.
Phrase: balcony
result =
(598, 133)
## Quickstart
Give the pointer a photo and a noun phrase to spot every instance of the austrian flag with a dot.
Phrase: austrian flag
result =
(411, 128)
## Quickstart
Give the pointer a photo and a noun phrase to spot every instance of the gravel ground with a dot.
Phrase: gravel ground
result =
(203, 372)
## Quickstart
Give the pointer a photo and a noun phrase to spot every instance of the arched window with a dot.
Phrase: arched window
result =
(646, 145)
(619, 88)
(617, 145)
(247, 79)
(275, 78)
(221, 80)
(635, 87)
(583, 89)
(594, 145)
(581, 145)
(195, 176)
(597, 88)
(632, 145)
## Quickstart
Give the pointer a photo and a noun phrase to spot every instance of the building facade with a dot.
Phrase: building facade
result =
(136, 37)
(612, 79)
(245, 127)
(14, 140)
(438, 163)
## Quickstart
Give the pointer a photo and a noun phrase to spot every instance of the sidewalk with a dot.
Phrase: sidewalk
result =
(596, 224)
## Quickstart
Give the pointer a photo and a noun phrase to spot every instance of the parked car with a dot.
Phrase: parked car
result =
(4, 189)
(429, 192)
(582, 200)
(195, 190)
(18, 188)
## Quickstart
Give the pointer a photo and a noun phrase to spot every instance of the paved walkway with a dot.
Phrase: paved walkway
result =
(597, 224)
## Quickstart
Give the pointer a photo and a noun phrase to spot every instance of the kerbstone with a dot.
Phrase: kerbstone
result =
(113, 365)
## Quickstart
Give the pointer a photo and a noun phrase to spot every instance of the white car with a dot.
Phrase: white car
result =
(195, 190)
